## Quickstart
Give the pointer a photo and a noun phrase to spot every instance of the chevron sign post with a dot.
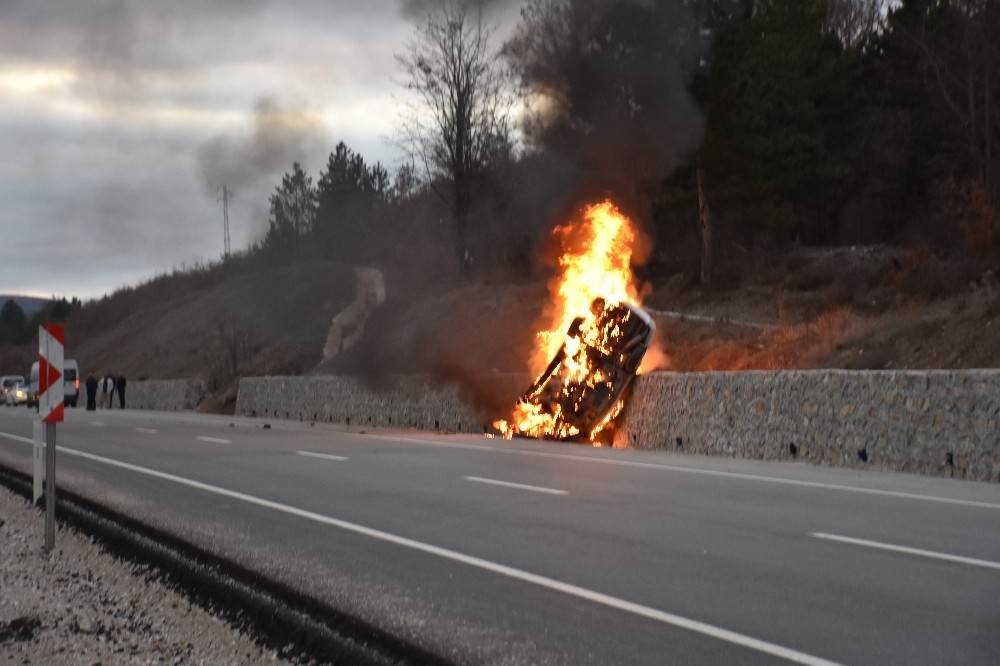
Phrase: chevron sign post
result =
(51, 341)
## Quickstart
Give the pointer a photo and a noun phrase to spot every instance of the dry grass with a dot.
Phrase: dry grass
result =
(785, 347)
(217, 327)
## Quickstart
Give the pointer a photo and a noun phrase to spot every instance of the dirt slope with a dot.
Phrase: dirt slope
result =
(263, 321)
(848, 307)
(851, 307)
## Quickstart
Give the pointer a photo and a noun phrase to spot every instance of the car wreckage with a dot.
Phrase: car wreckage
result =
(582, 389)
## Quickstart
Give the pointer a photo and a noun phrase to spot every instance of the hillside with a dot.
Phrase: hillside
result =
(275, 318)
(864, 307)
(830, 308)
(867, 307)
(215, 323)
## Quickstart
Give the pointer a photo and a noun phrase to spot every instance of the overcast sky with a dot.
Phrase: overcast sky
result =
(120, 119)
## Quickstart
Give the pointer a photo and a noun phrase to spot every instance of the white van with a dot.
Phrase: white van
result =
(71, 383)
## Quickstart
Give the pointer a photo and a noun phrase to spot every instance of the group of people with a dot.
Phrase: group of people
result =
(110, 387)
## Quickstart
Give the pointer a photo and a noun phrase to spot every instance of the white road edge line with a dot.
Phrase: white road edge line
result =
(214, 440)
(324, 456)
(519, 486)
(693, 470)
(906, 550)
(97, 424)
(696, 470)
(147, 431)
(518, 574)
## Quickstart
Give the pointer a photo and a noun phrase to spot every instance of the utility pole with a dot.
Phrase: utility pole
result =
(226, 195)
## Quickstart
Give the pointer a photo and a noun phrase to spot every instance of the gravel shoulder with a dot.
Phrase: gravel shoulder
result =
(80, 605)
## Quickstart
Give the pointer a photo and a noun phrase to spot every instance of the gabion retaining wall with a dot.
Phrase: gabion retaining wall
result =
(931, 422)
(168, 395)
(412, 402)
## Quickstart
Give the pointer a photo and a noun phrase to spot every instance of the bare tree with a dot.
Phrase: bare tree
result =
(962, 66)
(459, 128)
(227, 354)
(856, 22)
(406, 183)
(705, 226)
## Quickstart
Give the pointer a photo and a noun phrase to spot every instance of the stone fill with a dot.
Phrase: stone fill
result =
(931, 422)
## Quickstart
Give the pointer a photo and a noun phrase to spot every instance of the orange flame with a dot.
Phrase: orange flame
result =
(595, 263)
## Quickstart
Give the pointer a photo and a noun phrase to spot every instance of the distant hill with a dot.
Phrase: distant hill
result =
(29, 304)
(246, 317)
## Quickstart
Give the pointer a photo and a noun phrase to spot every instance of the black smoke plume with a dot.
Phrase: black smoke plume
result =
(609, 85)
(277, 137)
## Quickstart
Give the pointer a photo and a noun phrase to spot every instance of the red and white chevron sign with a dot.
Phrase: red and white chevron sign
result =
(51, 339)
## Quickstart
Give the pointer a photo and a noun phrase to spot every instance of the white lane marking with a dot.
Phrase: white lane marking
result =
(478, 562)
(97, 424)
(18, 438)
(698, 470)
(215, 440)
(906, 550)
(519, 486)
(693, 470)
(324, 456)
(147, 431)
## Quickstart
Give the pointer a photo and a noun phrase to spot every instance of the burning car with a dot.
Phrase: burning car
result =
(591, 351)
(582, 388)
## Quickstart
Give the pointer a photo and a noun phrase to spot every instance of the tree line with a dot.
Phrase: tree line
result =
(16, 327)
(719, 124)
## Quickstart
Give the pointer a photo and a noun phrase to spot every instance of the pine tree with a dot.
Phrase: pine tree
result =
(293, 208)
(13, 323)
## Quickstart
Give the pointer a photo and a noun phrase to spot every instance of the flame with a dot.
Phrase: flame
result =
(595, 263)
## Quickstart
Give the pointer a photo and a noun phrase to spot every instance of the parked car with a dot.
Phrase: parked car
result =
(71, 384)
(16, 395)
(8, 382)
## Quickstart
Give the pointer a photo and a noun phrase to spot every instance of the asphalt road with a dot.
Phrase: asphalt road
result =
(525, 552)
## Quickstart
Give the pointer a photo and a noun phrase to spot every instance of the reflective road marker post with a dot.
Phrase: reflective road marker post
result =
(37, 460)
(51, 341)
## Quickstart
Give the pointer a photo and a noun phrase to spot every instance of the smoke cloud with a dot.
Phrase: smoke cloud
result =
(610, 84)
(278, 137)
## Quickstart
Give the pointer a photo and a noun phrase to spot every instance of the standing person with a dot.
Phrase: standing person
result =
(120, 385)
(105, 388)
(111, 390)
(91, 393)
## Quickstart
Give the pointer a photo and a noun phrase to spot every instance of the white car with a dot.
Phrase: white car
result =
(8, 382)
(16, 395)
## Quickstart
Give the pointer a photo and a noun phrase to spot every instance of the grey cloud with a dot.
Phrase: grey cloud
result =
(91, 208)
(133, 38)
(93, 200)
(112, 36)
(418, 9)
